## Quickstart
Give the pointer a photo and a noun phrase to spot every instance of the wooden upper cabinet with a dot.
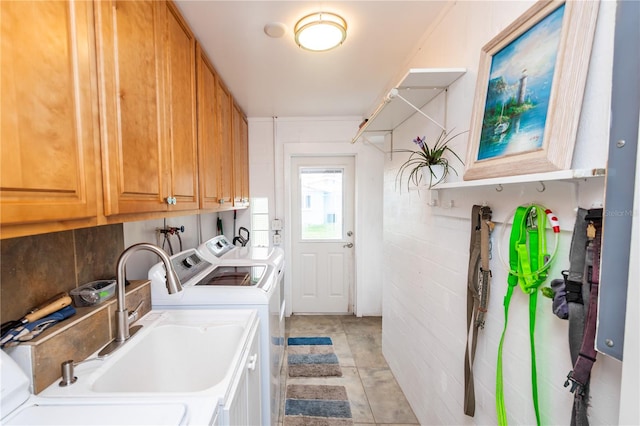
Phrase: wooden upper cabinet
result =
(209, 170)
(130, 72)
(104, 93)
(48, 147)
(244, 139)
(181, 111)
(224, 141)
(240, 158)
(147, 117)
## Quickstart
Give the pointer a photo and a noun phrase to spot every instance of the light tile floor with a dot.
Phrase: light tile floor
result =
(374, 394)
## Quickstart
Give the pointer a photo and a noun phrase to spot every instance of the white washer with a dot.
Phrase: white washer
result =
(220, 250)
(232, 284)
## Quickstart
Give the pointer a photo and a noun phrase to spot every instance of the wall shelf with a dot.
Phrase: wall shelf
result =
(416, 89)
(560, 175)
(575, 188)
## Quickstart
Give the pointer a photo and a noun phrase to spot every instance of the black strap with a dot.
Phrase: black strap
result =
(584, 318)
(574, 291)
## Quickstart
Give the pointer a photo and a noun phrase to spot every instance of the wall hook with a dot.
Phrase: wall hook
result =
(542, 187)
(499, 188)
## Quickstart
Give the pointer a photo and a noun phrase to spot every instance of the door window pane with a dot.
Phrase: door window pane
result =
(321, 203)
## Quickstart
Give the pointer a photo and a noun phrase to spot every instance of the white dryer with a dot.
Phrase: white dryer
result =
(219, 248)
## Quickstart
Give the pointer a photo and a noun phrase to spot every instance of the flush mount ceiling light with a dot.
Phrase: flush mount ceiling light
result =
(320, 31)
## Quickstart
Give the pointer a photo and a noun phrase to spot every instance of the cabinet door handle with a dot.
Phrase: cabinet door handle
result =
(172, 200)
(253, 360)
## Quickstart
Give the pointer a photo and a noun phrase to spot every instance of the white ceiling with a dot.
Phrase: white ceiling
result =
(274, 77)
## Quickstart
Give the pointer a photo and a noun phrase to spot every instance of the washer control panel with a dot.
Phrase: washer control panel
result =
(188, 264)
(219, 245)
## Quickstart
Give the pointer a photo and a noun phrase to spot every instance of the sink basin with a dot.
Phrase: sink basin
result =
(174, 358)
(176, 352)
(188, 357)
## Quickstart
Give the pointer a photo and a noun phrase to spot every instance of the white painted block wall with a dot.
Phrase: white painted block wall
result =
(198, 228)
(272, 142)
(426, 251)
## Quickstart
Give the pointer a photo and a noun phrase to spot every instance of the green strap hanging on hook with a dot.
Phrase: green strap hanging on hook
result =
(527, 257)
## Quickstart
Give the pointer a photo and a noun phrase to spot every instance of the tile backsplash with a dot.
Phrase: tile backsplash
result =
(34, 268)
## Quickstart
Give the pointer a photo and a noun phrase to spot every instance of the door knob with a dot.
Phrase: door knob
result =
(348, 245)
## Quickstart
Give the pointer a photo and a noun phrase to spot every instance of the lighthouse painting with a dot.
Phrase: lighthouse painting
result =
(529, 92)
(519, 89)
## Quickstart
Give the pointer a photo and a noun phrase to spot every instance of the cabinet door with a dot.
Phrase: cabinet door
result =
(209, 162)
(254, 385)
(130, 74)
(48, 146)
(237, 409)
(240, 159)
(224, 141)
(181, 111)
(244, 137)
(216, 419)
(244, 404)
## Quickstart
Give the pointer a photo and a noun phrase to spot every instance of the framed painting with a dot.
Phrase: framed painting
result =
(529, 91)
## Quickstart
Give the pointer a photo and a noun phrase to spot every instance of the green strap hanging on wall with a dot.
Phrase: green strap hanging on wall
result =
(527, 257)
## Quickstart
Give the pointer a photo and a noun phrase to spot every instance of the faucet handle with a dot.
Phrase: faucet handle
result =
(67, 373)
(133, 316)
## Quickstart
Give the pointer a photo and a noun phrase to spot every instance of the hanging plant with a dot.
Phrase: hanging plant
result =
(428, 163)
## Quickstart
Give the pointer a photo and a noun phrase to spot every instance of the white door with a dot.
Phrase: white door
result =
(322, 269)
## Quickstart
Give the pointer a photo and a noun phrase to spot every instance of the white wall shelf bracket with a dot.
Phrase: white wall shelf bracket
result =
(367, 142)
(394, 94)
(418, 87)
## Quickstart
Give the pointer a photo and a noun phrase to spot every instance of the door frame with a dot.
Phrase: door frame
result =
(348, 164)
(291, 150)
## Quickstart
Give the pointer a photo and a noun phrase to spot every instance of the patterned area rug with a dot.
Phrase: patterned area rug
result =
(317, 405)
(312, 357)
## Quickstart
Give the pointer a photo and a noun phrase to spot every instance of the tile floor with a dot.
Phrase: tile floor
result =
(374, 394)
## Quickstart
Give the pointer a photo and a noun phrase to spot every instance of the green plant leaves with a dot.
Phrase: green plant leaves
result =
(426, 157)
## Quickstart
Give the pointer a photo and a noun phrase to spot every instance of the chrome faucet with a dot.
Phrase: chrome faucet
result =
(122, 315)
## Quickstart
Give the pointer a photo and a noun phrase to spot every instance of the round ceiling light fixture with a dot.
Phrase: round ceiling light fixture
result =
(320, 31)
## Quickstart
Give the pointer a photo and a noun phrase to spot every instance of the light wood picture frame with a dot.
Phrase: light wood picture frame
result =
(529, 91)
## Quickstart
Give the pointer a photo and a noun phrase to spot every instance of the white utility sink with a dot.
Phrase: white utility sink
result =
(176, 352)
(173, 358)
(186, 359)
